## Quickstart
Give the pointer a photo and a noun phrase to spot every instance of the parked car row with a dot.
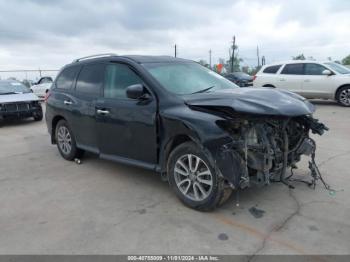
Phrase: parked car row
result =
(204, 133)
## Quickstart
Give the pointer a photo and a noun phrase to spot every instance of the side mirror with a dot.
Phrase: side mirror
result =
(327, 72)
(136, 92)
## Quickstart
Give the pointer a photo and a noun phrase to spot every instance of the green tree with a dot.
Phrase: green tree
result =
(346, 60)
(299, 57)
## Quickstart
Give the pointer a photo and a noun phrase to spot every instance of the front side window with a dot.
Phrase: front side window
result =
(187, 78)
(313, 69)
(90, 79)
(293, 69)
(66, 78)
(271, 69)
(118, 77)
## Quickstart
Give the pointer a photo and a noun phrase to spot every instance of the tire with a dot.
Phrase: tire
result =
(343, 96)
(66, 141)
(205, 197)
(38, 116)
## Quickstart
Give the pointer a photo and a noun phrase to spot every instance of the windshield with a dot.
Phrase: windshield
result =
(338, 68)
(187, 78)
(12, 87)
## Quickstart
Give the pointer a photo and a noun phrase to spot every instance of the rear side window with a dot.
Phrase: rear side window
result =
(90, 79)
(271, 69)
(118, 78)
(66, 78)
(293, 69)
(314, 69)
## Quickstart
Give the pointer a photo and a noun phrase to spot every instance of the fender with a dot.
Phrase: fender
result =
(201, 128)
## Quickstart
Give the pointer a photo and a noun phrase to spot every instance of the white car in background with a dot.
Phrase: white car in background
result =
(310, 79)
(42, 86)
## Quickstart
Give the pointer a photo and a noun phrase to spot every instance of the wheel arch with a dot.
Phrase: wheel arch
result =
(55, 120)
(338, 89)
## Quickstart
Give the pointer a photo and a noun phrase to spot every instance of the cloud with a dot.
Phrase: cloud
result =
(49, 34)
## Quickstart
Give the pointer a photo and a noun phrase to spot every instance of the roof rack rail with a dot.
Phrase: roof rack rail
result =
(93, 56)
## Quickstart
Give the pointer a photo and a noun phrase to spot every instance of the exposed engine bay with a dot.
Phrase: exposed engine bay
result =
(267, 146)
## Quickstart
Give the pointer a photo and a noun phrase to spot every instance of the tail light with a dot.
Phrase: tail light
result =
(47, 95)
(254, 77)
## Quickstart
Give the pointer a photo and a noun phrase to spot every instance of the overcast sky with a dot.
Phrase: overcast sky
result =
(49, 34)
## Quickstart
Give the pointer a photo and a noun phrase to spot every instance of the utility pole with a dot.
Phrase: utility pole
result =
(210, 58)
(263, 61)
(257, 53)
(233, 52)
(175, 50)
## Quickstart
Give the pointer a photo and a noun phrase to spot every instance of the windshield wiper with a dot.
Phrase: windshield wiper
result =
(204, 90)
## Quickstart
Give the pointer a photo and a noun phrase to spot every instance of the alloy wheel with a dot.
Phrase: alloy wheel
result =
(344, 97)
(193, 177)
(64, 140)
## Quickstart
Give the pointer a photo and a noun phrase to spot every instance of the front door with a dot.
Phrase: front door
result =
(315, 84)
(126, 127)
(291, 78)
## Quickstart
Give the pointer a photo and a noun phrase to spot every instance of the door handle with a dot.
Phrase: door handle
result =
(67, 102)
(282, 79)
(102, 112)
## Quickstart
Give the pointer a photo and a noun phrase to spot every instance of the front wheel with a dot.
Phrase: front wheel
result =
(194, 179)
(343, 96)
(38, 115)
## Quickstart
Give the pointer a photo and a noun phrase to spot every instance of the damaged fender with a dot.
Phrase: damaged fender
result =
(185, 124)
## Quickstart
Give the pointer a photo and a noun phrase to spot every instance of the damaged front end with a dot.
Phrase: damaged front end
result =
(264, 147)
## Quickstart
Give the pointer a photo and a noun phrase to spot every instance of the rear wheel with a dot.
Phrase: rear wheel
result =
(194, 179)
(66, 142)
(343, 96)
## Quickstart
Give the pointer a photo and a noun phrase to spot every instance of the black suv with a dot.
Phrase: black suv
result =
(197, 129)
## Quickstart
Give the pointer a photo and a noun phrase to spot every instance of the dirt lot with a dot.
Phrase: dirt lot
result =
(51, 206)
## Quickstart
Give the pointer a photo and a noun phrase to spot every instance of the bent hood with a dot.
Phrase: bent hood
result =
(23, 97)
(260, 101)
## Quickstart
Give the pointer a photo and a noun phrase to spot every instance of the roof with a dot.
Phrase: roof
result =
(136, 58)
(296, 62)
(155, 59)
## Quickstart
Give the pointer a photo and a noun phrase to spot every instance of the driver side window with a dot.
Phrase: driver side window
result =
(118, 77)
(313, 69)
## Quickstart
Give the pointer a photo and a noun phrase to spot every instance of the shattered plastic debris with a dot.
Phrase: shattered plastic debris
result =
(257, 213)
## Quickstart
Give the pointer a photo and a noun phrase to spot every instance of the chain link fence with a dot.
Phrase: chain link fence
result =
(28, 77)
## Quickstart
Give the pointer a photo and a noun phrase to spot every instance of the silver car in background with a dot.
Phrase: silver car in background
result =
(17, 101)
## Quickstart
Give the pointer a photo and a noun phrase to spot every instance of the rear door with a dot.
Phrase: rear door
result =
(88, 89)
(291, 77)
(315, 84)
(126, 127)
(62, 95)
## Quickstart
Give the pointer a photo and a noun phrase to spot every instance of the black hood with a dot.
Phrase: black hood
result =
(260, 101)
